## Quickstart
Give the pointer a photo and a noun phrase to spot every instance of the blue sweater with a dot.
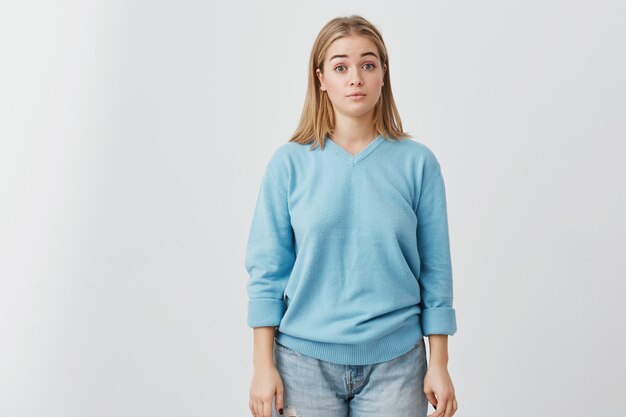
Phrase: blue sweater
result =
(349, 256)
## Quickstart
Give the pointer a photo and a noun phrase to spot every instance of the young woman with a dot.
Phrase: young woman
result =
(348, 251)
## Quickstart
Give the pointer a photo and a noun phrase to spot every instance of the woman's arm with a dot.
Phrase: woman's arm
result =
(438, 316)
(267, 384)
(438, 385)
(270, 257)
(263, 355)
(438, 347)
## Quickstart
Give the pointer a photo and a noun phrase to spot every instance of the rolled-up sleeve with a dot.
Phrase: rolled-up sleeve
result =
(438, 315)
(270, 254)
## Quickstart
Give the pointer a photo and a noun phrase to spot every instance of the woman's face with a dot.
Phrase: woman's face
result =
(352, 64)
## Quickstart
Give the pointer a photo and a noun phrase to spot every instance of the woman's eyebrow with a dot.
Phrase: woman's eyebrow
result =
(362, 55)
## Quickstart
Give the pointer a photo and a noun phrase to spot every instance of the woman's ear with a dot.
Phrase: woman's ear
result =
(320, 77)
(384, 71)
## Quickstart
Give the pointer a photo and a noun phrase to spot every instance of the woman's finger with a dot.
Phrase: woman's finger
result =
(442, 403)
(432, 399)
(449, 407)
(267, 408)
(279, 399)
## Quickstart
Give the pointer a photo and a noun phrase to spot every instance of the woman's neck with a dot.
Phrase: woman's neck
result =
(353, 135)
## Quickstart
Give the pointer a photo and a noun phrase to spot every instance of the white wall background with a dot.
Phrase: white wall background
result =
(132, 139)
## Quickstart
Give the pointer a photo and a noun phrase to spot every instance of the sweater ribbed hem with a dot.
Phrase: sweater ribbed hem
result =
(383, 349)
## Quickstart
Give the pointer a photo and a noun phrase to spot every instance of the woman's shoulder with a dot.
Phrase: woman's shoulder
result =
(286, 157)
(417, 150)
(288, 151)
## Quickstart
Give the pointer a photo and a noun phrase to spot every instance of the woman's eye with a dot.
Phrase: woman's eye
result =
(372, 66)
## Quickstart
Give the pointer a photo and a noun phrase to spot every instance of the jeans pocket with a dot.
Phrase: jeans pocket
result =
(284, 348)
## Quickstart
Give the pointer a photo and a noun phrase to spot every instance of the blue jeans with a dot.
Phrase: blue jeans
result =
(316, 388)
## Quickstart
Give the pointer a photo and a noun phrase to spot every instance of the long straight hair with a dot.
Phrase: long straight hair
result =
(318, 119)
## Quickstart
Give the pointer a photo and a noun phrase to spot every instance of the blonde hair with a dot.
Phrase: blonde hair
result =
(317, 119)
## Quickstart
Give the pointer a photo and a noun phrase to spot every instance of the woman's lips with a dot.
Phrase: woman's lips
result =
(356, 96)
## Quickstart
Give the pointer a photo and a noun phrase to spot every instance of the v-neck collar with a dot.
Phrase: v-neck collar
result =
(354, 159)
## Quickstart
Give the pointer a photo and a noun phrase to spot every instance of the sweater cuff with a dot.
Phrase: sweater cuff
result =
(265, 312)
(438, 320)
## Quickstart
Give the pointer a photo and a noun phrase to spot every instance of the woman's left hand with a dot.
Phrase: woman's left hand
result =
(440, 391)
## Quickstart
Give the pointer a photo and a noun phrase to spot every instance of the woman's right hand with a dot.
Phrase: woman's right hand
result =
(266, 383)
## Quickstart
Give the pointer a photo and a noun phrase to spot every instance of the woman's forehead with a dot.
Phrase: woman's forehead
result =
(352, 47)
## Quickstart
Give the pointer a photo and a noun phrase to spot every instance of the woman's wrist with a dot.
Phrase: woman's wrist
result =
(438, 347)
(263, 356)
